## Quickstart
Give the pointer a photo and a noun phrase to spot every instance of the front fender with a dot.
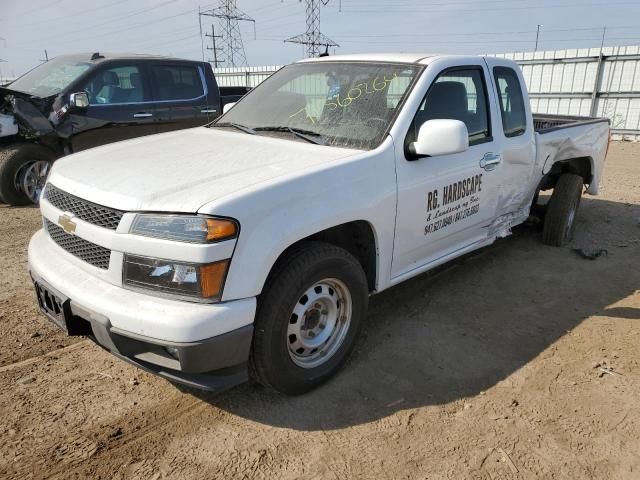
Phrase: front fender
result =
(273, 217)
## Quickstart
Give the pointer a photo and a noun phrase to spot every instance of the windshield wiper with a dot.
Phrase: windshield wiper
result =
(298, 132)
(235, 125)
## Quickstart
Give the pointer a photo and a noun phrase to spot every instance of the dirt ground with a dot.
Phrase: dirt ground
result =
(521, 362)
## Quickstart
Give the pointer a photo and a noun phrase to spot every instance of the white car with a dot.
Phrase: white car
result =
(250, 247)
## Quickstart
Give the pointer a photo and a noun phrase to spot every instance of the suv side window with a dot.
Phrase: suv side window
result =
(177, 82)
(514, 119)
(458, 94)
(122, 84)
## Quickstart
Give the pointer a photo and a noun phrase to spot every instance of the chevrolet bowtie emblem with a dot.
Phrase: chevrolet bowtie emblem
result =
(66, 223)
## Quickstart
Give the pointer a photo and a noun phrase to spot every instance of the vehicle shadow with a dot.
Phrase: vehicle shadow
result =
(453, 334)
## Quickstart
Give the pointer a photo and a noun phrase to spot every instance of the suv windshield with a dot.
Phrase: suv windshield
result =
(349, 104)
(51, 77)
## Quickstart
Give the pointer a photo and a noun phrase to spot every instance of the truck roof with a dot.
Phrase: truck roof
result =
(416, 58)
(106, 56)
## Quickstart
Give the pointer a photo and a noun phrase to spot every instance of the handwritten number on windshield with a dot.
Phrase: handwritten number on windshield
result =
(354, 93)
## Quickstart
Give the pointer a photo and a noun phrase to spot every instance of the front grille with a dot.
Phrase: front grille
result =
(89, 252)
(87, 211)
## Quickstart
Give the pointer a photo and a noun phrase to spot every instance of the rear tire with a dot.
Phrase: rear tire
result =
(14, 162)
(559, 220)
(309, 317)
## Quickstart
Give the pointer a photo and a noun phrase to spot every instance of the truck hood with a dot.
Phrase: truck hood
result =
(183, 170)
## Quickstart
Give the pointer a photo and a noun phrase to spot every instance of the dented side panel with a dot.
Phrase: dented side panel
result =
(588, 140)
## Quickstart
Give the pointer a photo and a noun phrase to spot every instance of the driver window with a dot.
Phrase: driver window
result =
(116, 85)
(457, 95)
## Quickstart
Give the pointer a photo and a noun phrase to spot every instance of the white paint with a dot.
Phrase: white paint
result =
(442, 137)
(154, 317)
(282, 191)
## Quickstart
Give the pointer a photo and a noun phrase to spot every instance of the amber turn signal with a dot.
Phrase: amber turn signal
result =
(220, 229)
(212, 278)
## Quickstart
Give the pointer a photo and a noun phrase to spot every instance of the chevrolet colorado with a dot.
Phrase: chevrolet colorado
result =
(249, 248)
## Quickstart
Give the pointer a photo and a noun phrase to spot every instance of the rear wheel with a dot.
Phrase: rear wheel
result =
(309, 318)
(23, 172)
(559, 220)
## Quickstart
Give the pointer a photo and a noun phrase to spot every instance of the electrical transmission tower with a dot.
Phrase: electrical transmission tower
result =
(216, 60)
(229, 16)
(313, 38)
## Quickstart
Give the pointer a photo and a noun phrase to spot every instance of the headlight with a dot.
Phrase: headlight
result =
(184, 228)
(188, 280)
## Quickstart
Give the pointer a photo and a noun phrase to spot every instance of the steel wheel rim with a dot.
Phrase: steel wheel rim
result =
(31, 178)
(319, 323)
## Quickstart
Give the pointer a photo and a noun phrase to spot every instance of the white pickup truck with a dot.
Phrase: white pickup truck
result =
(249, 248)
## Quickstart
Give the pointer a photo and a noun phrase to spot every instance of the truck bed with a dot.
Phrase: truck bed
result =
(560, 138)
(544, 122)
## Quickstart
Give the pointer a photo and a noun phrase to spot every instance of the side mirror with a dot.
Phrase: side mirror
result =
(227, 107)
(79, 100)
(440, 137)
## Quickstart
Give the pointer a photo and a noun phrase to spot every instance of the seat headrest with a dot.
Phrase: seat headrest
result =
(136, 81)
(448, 99)
(164, 76)
(110, 78)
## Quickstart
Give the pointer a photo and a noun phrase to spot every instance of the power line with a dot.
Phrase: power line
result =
(107, 22)
(127, 28)
(52, 21)
(385, 10)
(49, 5)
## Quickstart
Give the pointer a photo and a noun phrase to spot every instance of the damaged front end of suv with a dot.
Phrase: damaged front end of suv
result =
(35, 128)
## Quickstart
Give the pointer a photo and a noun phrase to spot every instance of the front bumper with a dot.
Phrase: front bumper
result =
(200, 345)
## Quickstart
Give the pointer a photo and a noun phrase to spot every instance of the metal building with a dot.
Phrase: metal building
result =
(586, 82)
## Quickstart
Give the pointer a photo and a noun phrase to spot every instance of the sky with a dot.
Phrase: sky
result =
(171, 27)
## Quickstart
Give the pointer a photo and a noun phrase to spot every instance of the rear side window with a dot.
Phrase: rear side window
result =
(123, 84)
(514, 119)
(458, 95)
(176, 82)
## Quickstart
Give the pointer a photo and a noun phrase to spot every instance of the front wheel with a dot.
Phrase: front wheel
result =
(23, 173)
(309, 318)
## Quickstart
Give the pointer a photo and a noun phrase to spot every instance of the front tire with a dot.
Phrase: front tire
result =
(559, 221)
(309, 317)
(23, 171)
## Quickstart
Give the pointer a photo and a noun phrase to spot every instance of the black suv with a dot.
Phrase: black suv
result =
(74, 102)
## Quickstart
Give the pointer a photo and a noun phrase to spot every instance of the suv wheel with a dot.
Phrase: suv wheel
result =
(23, 173)
(309, 318)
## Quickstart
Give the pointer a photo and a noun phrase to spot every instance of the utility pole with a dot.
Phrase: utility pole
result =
(313, 39)
(213, 47)
(604, 34)
(228, 14)
(2, 82)
(597, 85)
(537, 37)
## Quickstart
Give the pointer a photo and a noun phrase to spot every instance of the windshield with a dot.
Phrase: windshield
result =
(51, 77)
(348, 104)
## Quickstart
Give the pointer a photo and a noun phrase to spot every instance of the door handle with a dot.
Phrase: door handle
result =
(142, 115)
(490, 160)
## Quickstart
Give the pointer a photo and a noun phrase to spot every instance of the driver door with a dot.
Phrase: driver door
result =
(119, 107)
(446, 203)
